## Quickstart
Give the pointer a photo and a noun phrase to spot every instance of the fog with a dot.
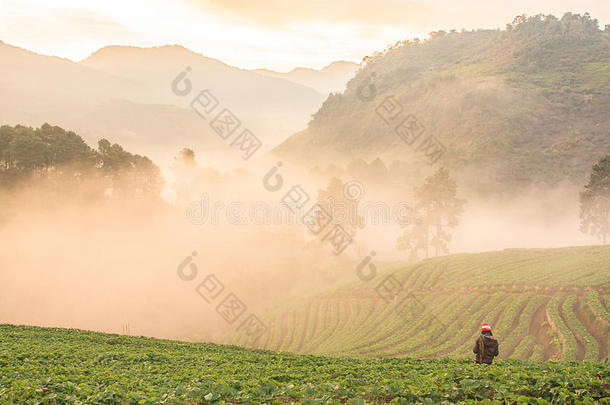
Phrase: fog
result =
(70, 257)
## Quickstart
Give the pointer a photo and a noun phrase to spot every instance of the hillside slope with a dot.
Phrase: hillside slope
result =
(529, 104)
(542, 304)
(67, 366)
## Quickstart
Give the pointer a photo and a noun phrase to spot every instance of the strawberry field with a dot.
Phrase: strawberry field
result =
(62, 366)
(543, 304)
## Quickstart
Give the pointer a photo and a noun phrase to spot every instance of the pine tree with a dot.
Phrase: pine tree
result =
(595, 202)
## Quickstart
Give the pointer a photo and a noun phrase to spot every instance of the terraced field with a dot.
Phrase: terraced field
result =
(542, 304)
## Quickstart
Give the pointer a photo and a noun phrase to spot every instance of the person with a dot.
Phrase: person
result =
(486, 346)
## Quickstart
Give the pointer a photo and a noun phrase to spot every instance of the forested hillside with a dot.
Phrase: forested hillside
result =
(527, 104)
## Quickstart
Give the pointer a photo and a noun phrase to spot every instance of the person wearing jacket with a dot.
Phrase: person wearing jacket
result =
(486, 346)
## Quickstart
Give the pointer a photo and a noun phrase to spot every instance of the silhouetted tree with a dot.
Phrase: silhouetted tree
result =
(414, 239)
(595, 201)
(52, 150)
(437, 209)
(24, 150)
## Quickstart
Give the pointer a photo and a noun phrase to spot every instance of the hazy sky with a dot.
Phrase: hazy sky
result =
(277, 34)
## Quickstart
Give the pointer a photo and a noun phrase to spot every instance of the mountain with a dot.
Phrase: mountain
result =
(35, 85)
(528, 104)
(245, 93)
(124, 94)
(542, 304)
(329, 79)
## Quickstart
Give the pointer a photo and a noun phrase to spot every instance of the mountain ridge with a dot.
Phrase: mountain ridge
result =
(40, 88)
(330, 78)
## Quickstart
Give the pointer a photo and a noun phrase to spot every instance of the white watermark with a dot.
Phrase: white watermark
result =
(214, 212)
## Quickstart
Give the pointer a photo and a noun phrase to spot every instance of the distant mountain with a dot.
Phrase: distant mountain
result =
(527, 104)
(329, 79)
(124, 94)
(239, 90)
(35, 85)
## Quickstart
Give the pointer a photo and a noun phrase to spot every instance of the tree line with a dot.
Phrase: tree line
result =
(51, 151)
(437, 209)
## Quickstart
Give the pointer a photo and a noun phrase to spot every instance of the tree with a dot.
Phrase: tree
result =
(437, 209)
(414, 239)
(185, 158)
(112, 157)
(29, 151)
(185, 181)
(129, 174)
(595, 202)
(65, 148)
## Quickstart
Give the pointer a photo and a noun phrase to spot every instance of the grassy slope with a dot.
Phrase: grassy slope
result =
(543, 304)
(59, 366)
(525, 105)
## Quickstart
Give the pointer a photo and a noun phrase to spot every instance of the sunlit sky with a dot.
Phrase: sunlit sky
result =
(275, 34)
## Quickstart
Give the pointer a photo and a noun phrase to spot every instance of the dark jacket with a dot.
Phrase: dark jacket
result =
(486, 348)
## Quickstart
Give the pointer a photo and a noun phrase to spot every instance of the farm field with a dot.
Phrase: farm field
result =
(67, 366)
(543, 304)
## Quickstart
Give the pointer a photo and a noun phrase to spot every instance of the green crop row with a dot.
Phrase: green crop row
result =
(591, 345)
(523, 349)
(593, 298)
(331, 316)
(352, 339)
(569, 344)
(538, 353)
(346, 314)
(348, 338)
(298, 326)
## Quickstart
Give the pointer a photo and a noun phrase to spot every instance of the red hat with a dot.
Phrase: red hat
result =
(486, 327)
